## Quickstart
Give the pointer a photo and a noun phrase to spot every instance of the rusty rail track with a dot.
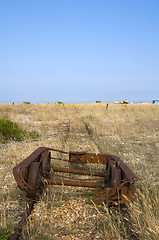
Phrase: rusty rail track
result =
(114, 184)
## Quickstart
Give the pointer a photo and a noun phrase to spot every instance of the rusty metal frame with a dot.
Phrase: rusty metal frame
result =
(113, 185)
(116, 187)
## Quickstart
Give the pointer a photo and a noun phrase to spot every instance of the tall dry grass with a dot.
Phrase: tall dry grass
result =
(128, 131)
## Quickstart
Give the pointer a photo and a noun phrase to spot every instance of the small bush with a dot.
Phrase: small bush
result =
(10, 130)
(88, 117)
(33, 134)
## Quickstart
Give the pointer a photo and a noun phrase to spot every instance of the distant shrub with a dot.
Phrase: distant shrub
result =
(88, 117)
(10, 130)
(33, 134)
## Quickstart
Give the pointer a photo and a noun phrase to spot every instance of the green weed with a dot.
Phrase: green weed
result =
(5, 233)
(90, 117)
(10, 130)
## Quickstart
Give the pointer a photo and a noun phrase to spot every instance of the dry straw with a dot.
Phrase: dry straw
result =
(130, 132)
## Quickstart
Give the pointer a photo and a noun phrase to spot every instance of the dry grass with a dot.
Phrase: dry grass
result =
(130, 132)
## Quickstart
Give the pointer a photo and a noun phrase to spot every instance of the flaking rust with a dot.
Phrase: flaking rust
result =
(113, 185)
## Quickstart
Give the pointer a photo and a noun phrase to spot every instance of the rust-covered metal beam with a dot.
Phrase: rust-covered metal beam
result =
(77, 183)
(78, 171)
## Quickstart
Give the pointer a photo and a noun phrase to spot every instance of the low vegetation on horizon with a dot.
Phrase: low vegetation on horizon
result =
(128, 131)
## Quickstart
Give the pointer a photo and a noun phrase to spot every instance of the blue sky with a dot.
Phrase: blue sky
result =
(79, 50)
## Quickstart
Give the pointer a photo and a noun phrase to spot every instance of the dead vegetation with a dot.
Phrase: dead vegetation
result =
(128, 131)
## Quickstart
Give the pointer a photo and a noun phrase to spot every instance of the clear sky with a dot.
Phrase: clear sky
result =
(79, 50)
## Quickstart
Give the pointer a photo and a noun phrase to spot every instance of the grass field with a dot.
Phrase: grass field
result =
(128, 131)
